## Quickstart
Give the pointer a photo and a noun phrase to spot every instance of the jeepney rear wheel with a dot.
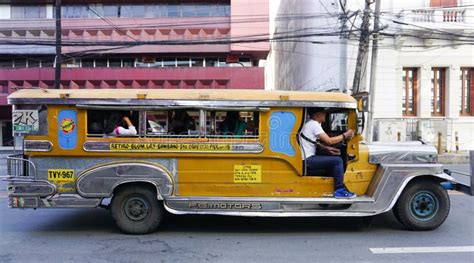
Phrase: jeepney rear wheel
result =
(137, 210)
(423, 205)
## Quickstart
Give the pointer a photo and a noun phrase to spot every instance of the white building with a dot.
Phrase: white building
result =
(425, 72)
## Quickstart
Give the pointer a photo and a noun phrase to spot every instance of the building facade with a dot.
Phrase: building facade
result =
(132, 44)
(425, 68)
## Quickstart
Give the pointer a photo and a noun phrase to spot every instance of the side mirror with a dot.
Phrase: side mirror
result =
(362, 101)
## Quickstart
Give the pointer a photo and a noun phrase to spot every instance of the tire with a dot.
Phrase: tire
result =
(137, 210)
(423, 205)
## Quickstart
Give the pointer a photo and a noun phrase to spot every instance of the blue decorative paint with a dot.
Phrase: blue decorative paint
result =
(67, 129)
(281, 125)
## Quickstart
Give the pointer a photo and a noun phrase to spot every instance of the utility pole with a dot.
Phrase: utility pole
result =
(57, 69)
(363, 47)
(343, 52)
(373, 71)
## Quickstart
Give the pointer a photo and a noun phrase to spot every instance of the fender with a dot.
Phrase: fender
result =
(443, 177)
(391, 179)
(100, 181)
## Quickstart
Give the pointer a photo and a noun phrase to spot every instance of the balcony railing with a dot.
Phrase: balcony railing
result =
(460, 15)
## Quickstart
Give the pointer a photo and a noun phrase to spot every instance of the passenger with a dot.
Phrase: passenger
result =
(119, 130)
(233, 124)
(311, 132)
(182, 123)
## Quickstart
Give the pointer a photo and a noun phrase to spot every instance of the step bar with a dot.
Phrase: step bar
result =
(270, 206)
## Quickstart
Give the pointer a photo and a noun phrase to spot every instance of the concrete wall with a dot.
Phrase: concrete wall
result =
(304, 65)
(250, 17)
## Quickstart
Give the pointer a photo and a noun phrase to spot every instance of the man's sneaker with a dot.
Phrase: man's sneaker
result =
(343, 193)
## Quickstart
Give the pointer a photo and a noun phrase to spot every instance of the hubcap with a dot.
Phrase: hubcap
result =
(424, 205)
(136, 208)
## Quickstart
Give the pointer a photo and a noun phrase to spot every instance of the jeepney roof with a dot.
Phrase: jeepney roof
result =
(147, 96)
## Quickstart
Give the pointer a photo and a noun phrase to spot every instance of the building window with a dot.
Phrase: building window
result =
(6, 63)
(100, 62)
(467, 92)
(74, 11)
(33, 63)
(410, 88)
(438, 89)
(97, 11)
(28, 11)
(20, 63)
(87, 62)
(47, 63)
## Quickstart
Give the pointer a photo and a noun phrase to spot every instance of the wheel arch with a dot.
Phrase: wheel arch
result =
(103, 180)
(137, 183)
(438, 178)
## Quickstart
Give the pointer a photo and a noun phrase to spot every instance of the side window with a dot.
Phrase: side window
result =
(157, 123)
(180, 122)
(236, 124)
(112, 123)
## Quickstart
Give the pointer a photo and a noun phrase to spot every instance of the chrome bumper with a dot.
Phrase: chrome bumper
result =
(25, 191)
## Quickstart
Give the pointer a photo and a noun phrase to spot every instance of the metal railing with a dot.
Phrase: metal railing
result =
(17, 166)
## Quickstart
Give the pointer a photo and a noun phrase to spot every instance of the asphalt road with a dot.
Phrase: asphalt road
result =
(89, 235)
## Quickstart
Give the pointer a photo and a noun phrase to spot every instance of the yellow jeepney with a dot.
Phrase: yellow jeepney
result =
(72, 157)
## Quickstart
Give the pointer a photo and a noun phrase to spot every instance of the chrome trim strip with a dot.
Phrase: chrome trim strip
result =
(99, 146)
(272, 214)
(57, 201)
(40, 188)
(37, 146)
(185, 103)
(326, 200)
(166, 107)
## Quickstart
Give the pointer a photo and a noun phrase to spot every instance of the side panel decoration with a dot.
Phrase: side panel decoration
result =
(102, 180)
(67, 129)
(281, 124)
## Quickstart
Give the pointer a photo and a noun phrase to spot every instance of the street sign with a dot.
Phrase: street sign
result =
(25, 121)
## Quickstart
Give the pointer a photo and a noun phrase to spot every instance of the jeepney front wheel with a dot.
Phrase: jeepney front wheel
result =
(423, 205)
(136, 209)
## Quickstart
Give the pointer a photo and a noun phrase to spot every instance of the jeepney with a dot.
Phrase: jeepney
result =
(69, 159)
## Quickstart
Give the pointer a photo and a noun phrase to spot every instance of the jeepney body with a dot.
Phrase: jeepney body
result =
(60, 165)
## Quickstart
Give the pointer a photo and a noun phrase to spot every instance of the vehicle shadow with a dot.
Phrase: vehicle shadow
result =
(208, 223)
(99, 220)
